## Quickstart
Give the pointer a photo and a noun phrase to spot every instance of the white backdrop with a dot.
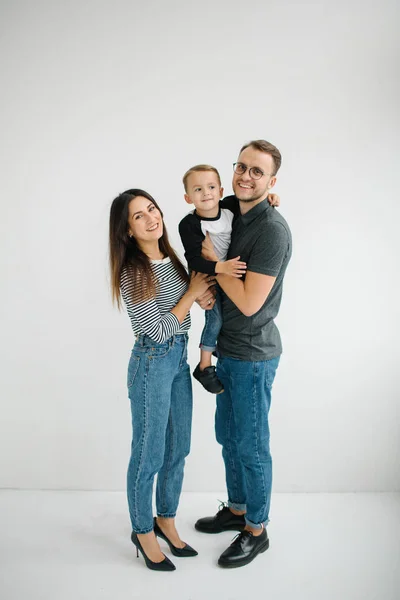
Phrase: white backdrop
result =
(100, 96)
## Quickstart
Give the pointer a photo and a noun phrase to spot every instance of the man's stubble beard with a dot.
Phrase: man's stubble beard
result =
(253, 198)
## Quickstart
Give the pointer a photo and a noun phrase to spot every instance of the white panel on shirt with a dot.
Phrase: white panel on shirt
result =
(220, 232)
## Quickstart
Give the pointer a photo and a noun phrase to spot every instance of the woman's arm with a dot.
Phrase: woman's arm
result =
(147, 314)
(199, 284)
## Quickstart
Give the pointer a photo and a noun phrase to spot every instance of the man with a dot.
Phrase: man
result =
(249, 348)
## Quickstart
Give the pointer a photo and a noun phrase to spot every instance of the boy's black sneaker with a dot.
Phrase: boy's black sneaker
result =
(208, 379)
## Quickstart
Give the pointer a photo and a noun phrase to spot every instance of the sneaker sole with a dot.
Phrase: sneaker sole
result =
(245, 561)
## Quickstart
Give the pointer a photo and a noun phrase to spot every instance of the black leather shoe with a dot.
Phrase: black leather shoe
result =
(185, 551)
(244, 549)
(224, 520)
(208, 379)
(164, 565)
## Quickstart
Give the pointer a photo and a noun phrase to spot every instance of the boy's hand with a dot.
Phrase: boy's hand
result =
(274, 199)
(233, 267)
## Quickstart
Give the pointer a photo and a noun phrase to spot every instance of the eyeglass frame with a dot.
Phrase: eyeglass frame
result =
(250, 169)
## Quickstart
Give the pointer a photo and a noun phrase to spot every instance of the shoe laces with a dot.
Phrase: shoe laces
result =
(222, 505)
(237, 540)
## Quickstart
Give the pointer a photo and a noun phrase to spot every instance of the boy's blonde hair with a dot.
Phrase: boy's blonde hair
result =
(198, 168)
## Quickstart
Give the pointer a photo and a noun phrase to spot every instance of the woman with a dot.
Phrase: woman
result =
(158, 295)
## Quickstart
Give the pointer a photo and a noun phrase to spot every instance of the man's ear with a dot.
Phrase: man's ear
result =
(272, 182)
(188, 200)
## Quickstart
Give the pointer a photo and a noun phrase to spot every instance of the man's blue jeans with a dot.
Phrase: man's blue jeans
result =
(241, 426)
(160, 392)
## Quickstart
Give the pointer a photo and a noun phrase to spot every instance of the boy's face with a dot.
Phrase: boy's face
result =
(204, 191)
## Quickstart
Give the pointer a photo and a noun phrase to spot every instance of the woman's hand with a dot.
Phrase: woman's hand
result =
(274, 199)
(199, 284)
(207, 300)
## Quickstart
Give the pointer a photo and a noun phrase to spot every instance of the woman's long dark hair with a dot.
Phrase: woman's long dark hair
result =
(125, 252)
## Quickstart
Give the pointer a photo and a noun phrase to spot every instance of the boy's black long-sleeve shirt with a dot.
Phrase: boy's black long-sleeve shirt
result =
(192, 236)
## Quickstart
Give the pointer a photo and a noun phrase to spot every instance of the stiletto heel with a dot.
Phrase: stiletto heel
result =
(182, 552)
(164, 565)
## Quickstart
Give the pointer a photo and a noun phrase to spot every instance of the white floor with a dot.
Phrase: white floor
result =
(75, 545)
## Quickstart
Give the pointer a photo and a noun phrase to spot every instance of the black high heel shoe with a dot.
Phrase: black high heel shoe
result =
(185, 551)
(164, 565)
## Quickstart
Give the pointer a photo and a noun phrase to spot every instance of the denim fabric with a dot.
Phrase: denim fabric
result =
(211, 329)
(160, 392)
(241, 426)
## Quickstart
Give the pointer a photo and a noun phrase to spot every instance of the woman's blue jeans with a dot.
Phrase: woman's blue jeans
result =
(160, 392)
(241, 426)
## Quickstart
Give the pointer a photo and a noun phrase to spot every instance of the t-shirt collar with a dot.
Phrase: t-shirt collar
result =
(255, 212)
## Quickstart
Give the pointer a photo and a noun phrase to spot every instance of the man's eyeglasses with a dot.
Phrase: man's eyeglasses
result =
(254, 172)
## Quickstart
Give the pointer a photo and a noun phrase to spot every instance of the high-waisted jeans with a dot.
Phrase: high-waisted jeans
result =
(241, 426)
(160, 392)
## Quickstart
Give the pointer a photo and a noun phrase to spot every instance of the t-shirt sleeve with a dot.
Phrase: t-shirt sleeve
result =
(147, 314)
(269, 250)
(192, 238)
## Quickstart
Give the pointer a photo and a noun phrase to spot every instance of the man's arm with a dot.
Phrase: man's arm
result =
(248, 295)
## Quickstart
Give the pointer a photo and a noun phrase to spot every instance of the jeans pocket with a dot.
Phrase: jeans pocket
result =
(132, 369)
(270, 370)
(159, 350)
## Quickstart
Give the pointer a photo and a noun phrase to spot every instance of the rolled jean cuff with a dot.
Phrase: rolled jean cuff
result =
(167, 515)
(143, 531)
(255, 525)
(207, 348)
(237, 506)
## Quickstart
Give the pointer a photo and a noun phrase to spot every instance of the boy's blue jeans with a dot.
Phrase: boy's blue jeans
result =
(160, 392)
(212, 327)
(241, 427)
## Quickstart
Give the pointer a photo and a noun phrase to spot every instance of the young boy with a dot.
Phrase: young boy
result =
(202, 185)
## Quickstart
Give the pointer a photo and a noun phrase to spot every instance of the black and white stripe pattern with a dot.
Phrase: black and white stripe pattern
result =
(153, 317)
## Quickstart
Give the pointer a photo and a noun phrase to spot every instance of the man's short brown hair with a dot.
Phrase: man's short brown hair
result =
(264, 146)
(198, 168)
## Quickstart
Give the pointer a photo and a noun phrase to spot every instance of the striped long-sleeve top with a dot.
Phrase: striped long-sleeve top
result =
(153, 317)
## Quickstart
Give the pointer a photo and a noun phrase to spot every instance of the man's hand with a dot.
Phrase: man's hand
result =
(274, 199)
(208, 251)
(233, 267)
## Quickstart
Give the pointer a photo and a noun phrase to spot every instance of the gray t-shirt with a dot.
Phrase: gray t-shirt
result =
(263, 240)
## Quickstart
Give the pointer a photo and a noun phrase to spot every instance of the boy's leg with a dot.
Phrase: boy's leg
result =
(205, 359)
(205, 372)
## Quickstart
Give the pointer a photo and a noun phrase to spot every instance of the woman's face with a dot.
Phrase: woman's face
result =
(144, 221)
